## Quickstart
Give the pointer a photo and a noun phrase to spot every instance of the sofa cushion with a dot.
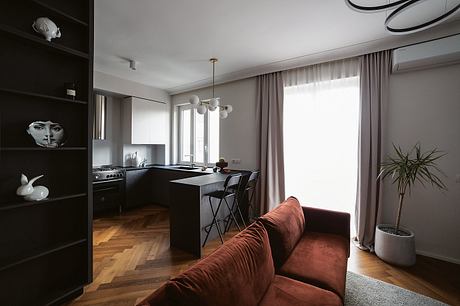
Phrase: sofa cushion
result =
(284, 291)
(285, 225)
(319, 259)
(238, 273)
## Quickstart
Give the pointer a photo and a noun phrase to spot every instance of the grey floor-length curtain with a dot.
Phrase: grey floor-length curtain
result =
(270, 95)
(374, 86)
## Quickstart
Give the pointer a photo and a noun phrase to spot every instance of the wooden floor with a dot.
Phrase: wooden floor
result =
(132, 258)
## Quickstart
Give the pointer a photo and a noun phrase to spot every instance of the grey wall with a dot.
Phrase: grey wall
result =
(109, 151)
(238, 130)
(425, 106)
(113, 151)
(110, 83)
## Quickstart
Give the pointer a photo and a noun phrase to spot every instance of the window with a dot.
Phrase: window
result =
(198, 136)
(321, 122)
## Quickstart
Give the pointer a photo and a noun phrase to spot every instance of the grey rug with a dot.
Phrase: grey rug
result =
(364, 291)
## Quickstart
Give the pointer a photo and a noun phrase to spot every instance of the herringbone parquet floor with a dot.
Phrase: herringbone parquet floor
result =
(132, 258)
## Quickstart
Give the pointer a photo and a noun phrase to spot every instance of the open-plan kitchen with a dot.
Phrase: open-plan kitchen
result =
(229, 153)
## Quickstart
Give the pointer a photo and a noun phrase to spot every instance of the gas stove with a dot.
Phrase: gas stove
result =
(106, 173)
(108, 189)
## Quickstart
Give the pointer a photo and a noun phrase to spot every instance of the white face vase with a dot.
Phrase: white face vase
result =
(47, 134)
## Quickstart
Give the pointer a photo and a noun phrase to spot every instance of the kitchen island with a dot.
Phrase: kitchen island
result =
(190, 212)
(150, 184)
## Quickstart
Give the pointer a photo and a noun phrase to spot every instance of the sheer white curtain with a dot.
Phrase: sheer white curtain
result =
(321, 128)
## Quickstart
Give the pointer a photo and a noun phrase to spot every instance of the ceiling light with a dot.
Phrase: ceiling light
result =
(400, 7)
(201, 109)
(132, 64)
(202, 106)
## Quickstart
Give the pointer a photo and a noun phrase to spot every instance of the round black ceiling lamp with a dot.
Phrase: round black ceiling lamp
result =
(403, 6)
(374, 8)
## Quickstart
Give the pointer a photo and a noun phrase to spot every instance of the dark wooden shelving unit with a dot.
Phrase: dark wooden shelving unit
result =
(46, 246)
(8, 264)
(60, 296)
(41, 42)
(41, 96)
(42, 202)
(43, 149)
(61, 13)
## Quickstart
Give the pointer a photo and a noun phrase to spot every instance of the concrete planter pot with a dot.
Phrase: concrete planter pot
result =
(395, 249)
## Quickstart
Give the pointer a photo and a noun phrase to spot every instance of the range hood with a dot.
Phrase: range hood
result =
(99, 117)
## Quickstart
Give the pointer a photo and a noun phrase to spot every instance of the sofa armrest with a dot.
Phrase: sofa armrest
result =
(327, 221)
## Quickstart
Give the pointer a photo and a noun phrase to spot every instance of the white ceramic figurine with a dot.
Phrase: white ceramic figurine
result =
(47, 28)
(31, 193)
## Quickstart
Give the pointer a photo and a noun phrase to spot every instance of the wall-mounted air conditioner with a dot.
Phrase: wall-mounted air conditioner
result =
(433, 53)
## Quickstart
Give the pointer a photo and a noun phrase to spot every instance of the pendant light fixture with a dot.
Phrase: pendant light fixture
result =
(402, 6)
(211, 104)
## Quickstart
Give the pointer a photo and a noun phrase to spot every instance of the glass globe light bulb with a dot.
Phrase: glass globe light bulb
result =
(201, 109)
(223, 114)
(229, 108)
(214, 102)
(212, 108)
(194, 100)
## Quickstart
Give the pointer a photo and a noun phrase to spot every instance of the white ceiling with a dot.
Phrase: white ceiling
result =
(173, 39)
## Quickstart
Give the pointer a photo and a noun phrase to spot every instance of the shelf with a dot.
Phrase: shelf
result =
(61, 13)
(61, 295)
(41, 41)
(43, 149)
(41, 96)
(41, 253)
(35, 203)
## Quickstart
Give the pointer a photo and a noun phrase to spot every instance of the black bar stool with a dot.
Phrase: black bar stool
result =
(249, 192)
(233, 180)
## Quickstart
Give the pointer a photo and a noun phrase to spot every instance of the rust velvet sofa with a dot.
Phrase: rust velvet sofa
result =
(292, 255)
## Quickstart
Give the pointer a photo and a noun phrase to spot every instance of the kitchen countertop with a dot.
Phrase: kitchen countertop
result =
(171, 168)
(207, 177)
(202, 180)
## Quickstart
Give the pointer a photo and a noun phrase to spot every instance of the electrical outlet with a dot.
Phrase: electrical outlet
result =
(236, 161)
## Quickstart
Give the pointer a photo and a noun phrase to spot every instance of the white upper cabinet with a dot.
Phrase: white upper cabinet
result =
(145, 121)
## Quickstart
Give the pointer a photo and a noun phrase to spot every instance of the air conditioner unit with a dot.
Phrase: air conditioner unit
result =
(433, 53)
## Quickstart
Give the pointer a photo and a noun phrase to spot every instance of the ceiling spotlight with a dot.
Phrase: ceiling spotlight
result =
(132, 64)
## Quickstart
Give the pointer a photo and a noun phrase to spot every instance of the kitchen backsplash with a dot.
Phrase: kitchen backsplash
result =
(143, 152)
(106, 154)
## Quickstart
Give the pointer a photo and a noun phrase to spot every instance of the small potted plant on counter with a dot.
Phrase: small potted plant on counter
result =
(221, 164)
(393, 243)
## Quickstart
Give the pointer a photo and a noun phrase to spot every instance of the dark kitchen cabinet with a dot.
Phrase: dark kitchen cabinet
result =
(151, 185)
(138, 187)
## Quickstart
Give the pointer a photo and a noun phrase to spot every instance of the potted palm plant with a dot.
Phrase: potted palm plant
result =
(393, 243)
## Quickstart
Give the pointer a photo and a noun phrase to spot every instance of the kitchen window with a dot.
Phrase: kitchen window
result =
(198, 136)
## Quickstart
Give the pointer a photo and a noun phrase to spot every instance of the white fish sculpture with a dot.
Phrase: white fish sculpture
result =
(31, 193)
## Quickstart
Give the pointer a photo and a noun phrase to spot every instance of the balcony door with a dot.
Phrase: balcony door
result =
(321, 122)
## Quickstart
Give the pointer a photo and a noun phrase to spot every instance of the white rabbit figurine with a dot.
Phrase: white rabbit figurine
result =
(31, 193)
